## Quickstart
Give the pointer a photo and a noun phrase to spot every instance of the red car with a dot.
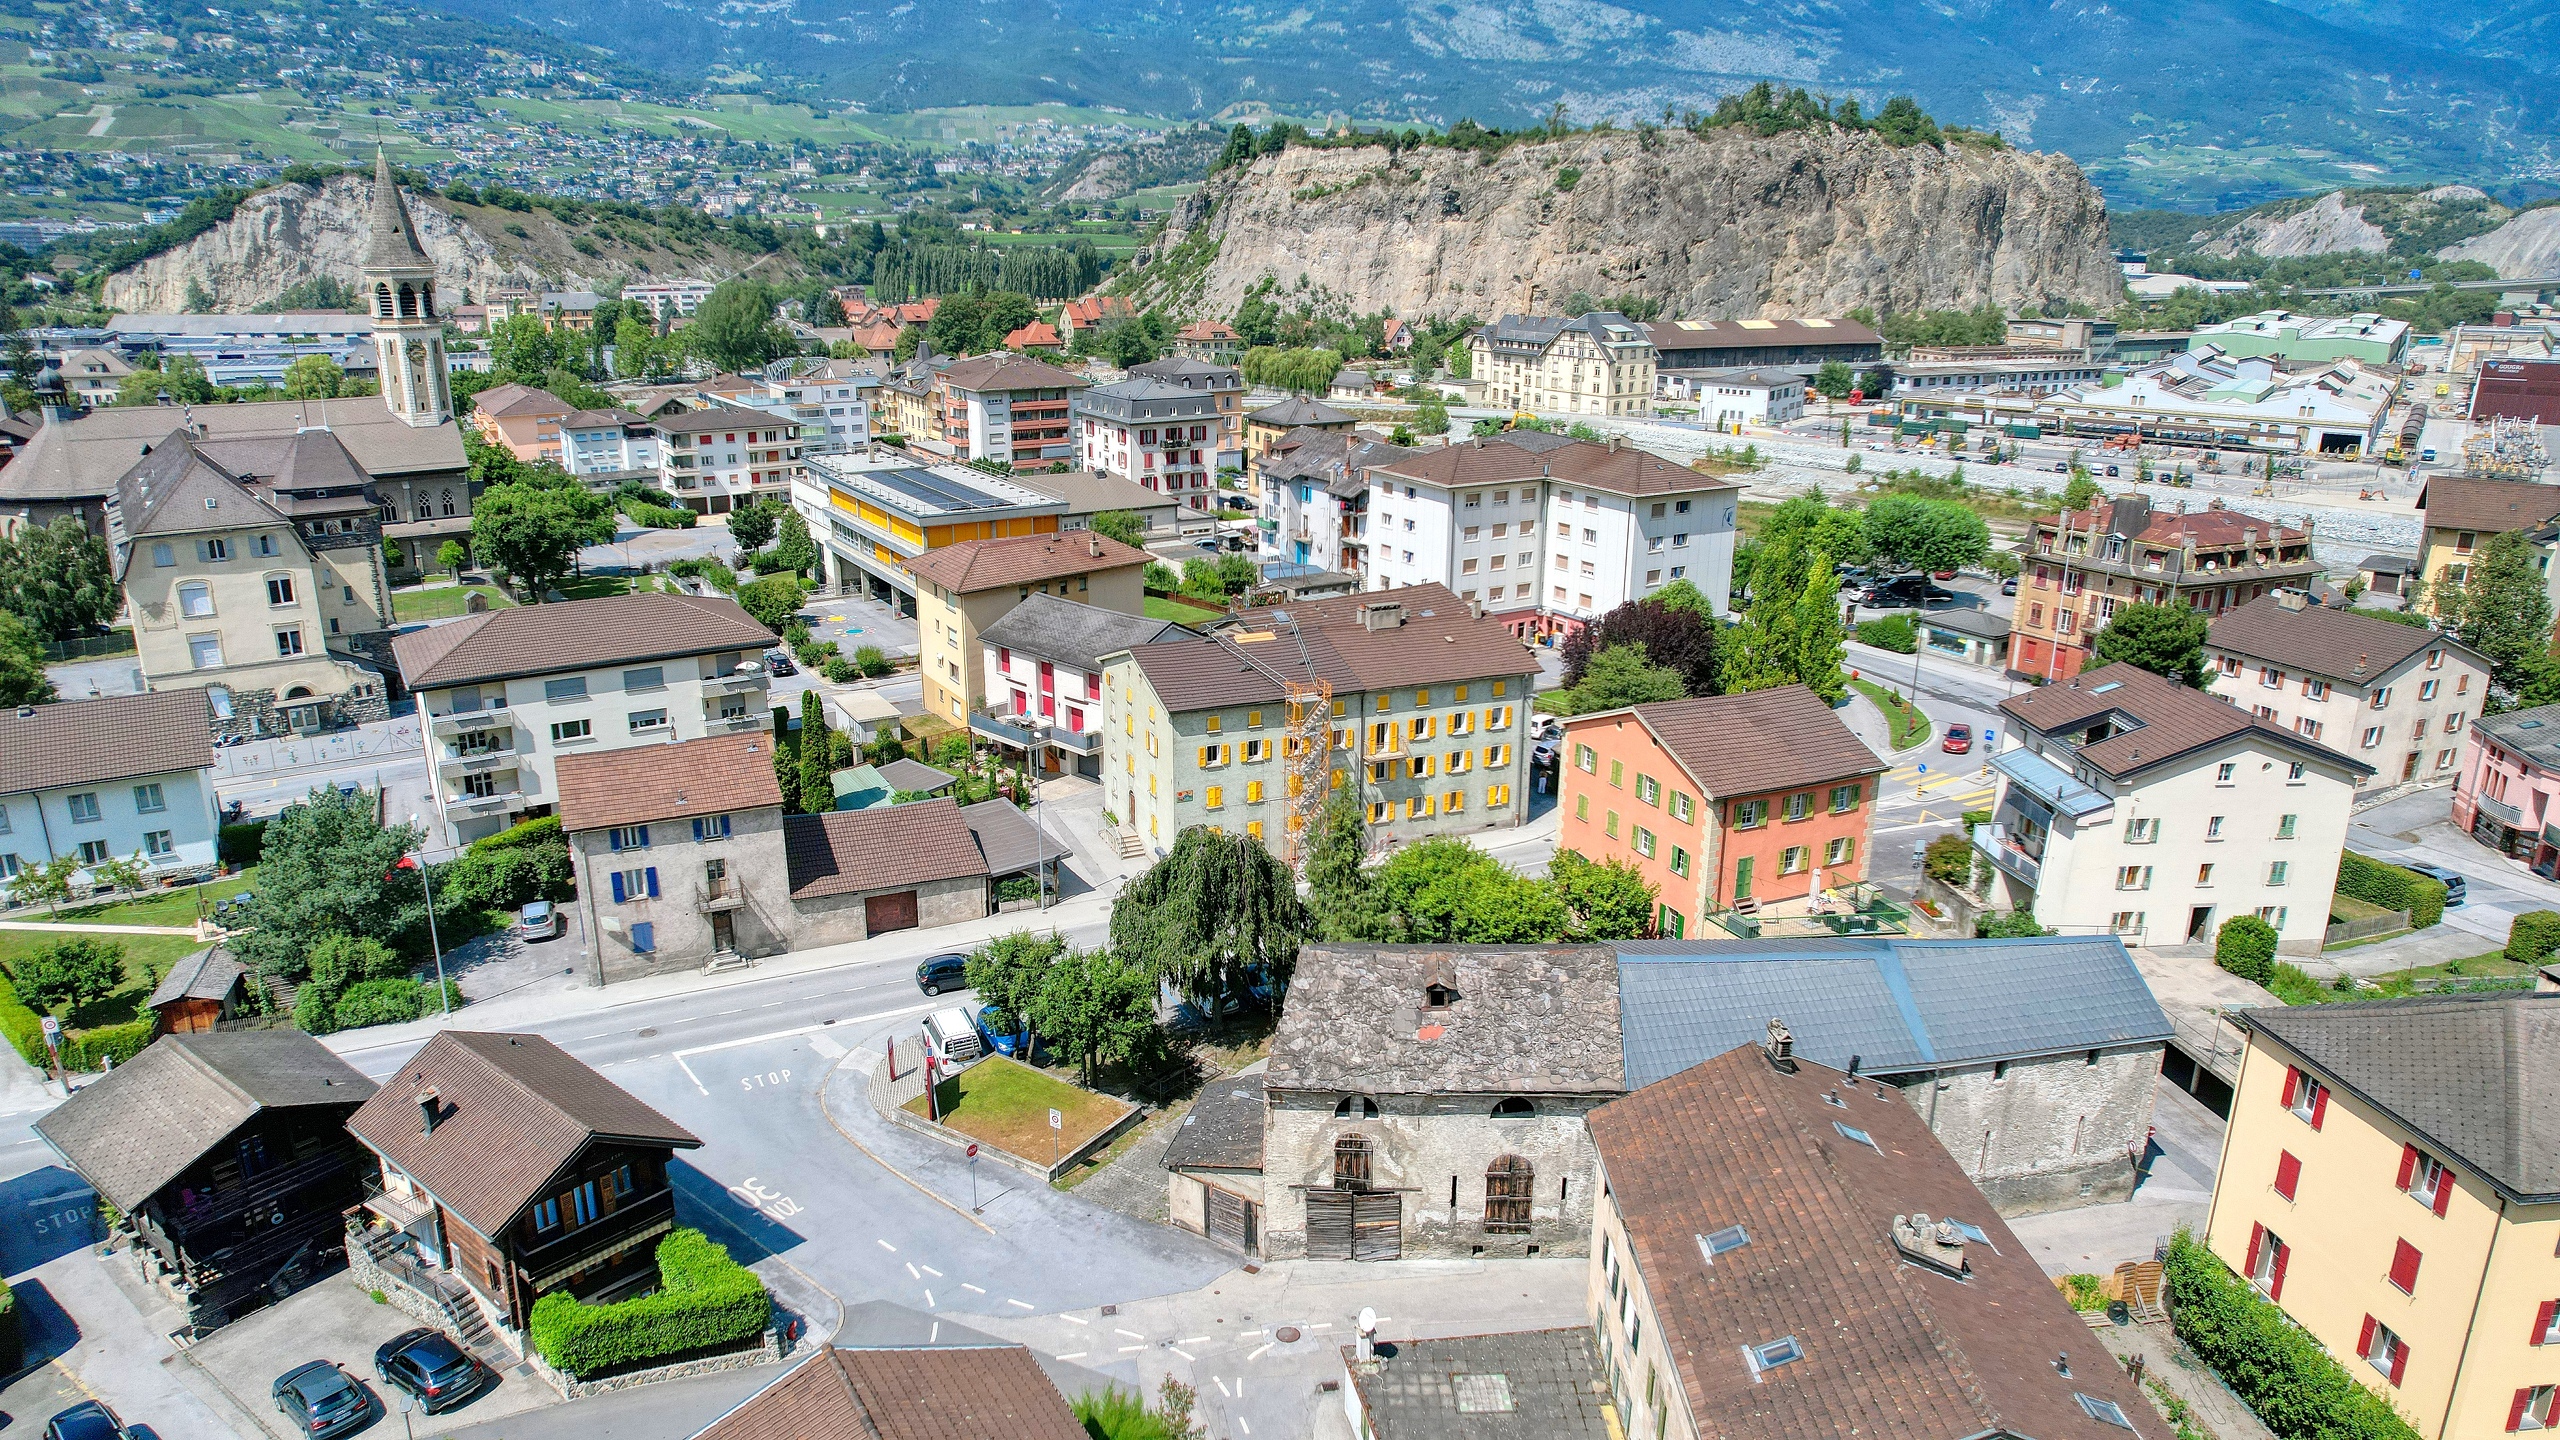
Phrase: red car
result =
(1959, 740)
(1942, 574)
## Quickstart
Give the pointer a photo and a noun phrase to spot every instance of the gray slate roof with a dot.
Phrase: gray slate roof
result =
(904, 774)
(1299, 410)
(1894, 1005)
(2477, 1077)
(1523, 1020)
(2534, 733)
(208, 974)
(1529, 1385)
(1052, 627)
(1008, 839)
(142, 1124)
(1223, 1130)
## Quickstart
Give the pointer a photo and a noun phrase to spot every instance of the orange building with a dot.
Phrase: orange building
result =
(522, 418)
(1722, 801)
(2084, 565)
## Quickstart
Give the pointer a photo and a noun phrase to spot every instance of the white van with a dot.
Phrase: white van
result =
(951, 1035)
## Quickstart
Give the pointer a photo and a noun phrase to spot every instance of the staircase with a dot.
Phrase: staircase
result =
(1131, 847)
(451, 1298)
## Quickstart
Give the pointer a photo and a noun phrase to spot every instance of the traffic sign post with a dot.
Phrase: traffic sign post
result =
(1057, 1122)
(973, 1178)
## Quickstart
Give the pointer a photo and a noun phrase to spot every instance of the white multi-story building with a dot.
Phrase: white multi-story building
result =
(670, 298)
(505, 693)
(2213, 398)
(2396, 696)
(1548, 533)
(1044, 677)
(1600, 363)
(1001, 407)
(1730, 399)
(2135, 806)
(1152, 432)
(716, 459)
(826, 399)
(1315, 497)
(607, 442)
(126, 777)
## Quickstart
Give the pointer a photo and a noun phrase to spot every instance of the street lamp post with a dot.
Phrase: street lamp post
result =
(1039, 731)
(444, 997)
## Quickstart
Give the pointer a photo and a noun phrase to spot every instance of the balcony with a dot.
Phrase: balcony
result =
(2500, 811)
(1016, 730)
(718, 724)
(264, 1191)
(736, 683)
(473, 807)
(483, 762)
(726, 893)
(471, 722)
(637, 1219)
(2008, 852)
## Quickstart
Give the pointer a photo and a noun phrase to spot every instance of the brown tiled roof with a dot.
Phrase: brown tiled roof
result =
(512, 399)
(975, 565)
(948, 1392)
(82, 458)
(1890, 1348)
(2493, 507)
(574, 635)
(512, 1110)
(710, 776)
(713, 417)
(2208, 529)
(1008, 372)
(1617, 469)
(2174, 720)
(1441, 641)
(1753, 744)
(886, 847)
(1740, 334)
(115, 737)
(2317, 640)
(1038, 332)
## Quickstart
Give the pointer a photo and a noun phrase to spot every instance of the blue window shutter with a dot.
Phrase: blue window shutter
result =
(724, 827)
(653, 882)
(697, 829)
(644, 937)
(644, 837)
(618, 896)
(614, 838)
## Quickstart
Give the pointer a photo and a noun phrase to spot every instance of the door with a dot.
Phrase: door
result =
(724, 932)
(889, 912)
(1233, 1219)
(1329, 1224)
(2409, 767)
(1377, 1225)
(2199, 924)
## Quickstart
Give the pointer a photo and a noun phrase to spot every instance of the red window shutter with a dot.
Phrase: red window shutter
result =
(2399, 1360)
(2515, 1412)
(2319, 1105)
(2404, 1266)
(2275, 1272)
(2288, 1174)
(2364, 1342)
(2292, 1084)
(2257, 1238)
(2408, 1164)
(2542, 1321)
(2444, 1191)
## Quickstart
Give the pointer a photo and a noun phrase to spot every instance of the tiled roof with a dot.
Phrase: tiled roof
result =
(1009, 840)
(505, 402)
(2213, 528)
(2318, 640)
(906, 774)
(2475, 1076)
(208, 974)
(82, 457)
(1440, 641)
(2492, 507)
(1521, 1385)
(1750, 744)
(139, 1126)
(1223, 1129)
(512, 1110)
(711, 776)
(114, 737)
(1894, 1006)
(1888, 1347)
(1675, 335)
(2534, 733)
(2171, 720)
(1088, 493)
(1616, 468)
(975, 565)
(574, 635)
(177, 489)
(711, 417)
(887, 847)
(1053, 627)
(1299, 410)
(1039, 332)
(1520, 1020)
(988, 373)
(948, 1392)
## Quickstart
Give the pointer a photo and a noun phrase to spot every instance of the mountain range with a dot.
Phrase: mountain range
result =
(2201, 104)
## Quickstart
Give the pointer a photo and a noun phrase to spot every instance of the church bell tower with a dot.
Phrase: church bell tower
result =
(408, 334)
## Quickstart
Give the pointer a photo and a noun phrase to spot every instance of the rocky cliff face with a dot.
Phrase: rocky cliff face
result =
(2525, 248)
(1729, 225)
(291, 234)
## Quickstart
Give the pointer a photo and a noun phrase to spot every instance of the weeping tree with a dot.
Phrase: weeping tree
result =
(1216, 912)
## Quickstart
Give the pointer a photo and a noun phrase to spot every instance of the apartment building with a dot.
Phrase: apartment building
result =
(2393, 1146)
(1211, 342)
(2460, 514)
(876, 510)
(1429, 708)
(264, 591)
(121, 777)
(505, 693)
(1732, 399)
(1001, 407)
(2398, 696)
(962, 589)
(1153, 433)
(1222, 381)
(668, 299)
(678, 852)
(2133, 805)
(1549, 533)
(1724, 803)
(1315, 497)
(829, 399)
(1599, 363)
(1044, 677)
(523, 419)
(715, 459)
(2507, 791)
(2081, 566)
(609, 442)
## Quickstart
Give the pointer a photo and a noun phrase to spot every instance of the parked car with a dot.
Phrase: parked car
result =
(1959, 740)
(540, 920)
(942, 972)
(88, 1420)
(322, 1400)
(1210, 544)
(777, 663)
(1542, 726)
(2009, 586)
(2111, 470)
(999, 1032)
(234, 911)
(428, 1365)
(1942, 574)
(951, 1034)
(2453, 885)
(2061, 469)
(1547, 751)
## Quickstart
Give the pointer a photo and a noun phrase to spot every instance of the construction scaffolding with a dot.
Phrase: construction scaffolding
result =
(1306, 747)
(2506, 449)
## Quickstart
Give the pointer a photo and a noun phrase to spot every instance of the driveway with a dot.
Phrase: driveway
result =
(2419, 827)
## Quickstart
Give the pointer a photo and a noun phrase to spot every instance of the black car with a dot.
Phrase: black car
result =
(87, 1420)
(428, 1365)
(322, 1400)
(777, 663)
(942, 972)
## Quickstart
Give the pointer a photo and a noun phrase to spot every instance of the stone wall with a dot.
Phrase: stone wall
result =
(769, 1352)
(838, 919)
(2048, 1133)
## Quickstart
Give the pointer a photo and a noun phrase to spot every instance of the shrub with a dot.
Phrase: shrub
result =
(315, 1010)
(711, 572)
(1949, 861)
(2085, 1292)
(338, 961)
(2533, 936)
(242, 844)
(380, 1002)
(69, 972)
(528, 832)
(839, 670)
(658, 517)
(2010, 925)
(1017, 887)
(1893, 632)
(90, 1050)
(771, 600)
(2392, 888)
(872, 660)
(536, 868)
(24, 1027)
(2246, 946)
(797, 634)
(2297, 1388)
(705, 1301)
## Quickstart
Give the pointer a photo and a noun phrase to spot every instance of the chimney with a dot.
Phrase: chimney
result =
(1381, 615)
(2290, 598)
(1094, 545)
(2361, 662)
(1936, 1245)
(1780, 1047)
(427, 1109)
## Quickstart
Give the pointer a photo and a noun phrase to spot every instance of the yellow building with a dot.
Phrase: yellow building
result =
(2461, 515)
(2388, 1179)
(1598, 363)
(964, 588)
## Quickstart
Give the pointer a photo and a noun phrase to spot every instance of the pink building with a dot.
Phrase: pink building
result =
(2508, 794)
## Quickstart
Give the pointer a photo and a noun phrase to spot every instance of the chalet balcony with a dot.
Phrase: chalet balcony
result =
(471, 722)
(636, 1221)
(262, 1191)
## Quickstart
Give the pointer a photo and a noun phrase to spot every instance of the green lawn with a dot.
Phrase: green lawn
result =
(163, 907)
(1910, 727)
(1181, 612)
(441, 602)
(1005, 1104)
(146, 959)
(590, 587)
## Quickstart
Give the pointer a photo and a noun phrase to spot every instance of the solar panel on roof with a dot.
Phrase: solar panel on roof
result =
(932, 489)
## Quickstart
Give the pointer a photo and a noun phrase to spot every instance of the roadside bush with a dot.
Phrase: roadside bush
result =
(2246, 946)
(1893, 632)
(2392, 888)
(1949, 861)
(13, 1344)
(658, 517)
(2010, 925)
(380, 1002)
(2297, 1388)
(796, 634)
(535, 868)
(24, 1028)
(338, 961)
(242, 844)
(772, 600)
(525, 832)
(90, 1050)
(839, 670)
(711, 572)
(872, 660)
(69, 972)
(706, 1301)
(2533, 936)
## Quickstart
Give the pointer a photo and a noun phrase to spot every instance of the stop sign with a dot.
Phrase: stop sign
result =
(1857, 397)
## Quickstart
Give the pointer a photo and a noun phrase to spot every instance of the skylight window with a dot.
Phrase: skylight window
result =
(1852, 1132)
(1764, 1358)
(1716, 1242)
(1974, 1233)
(2110, 685)
(2106, 1410)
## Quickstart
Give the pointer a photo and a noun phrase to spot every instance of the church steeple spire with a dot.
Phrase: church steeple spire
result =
(408, 335)
(395, 240)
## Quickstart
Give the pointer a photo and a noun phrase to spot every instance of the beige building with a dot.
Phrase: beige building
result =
(1599, 363)
(523, 419)
(506, 693)
(2386, 1179)
(2395, 696)
(264, 589)
(962, 589)
(2461, 514)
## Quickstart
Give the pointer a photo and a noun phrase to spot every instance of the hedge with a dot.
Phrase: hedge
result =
(2533, 937)
(1893, 632)
(2284, 1375)
(394, 1001)
(528, 832)
(705, 1301)
(82, 1050)
(24, 1027)
(242, 844)
(13, 1340)
(2392, 888)
(658, 517)
(2246, 946)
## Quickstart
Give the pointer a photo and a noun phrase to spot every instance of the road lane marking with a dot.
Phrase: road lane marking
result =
(1193, 1340)
(936, 1274)
(1222, 1388)
(1070, 1319)
(783, 1035)
(1125, 1349)
(1026, 1306)
(928, 1300)
(911, 1271)
(1185, 1354)
(973, 1289)
(885, 1245)
(1240, 1425)
(1077, 1355)
(1256, 1355)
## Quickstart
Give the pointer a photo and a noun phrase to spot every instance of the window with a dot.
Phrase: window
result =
(84, 807)
(279, 589)
(1214, 798)
(2427, 689)
(147, 800)
(1742, 869)
(2404, 1266)
(2425, 1179)
(645, 722)
(1509, 1183)
(163, 556)
(1857, 1136)
(573, 688)
(546, 1215)
(1840, 851)
(1794, 859)
(1497, 756)
(157, 843)
(1367, 1107)
(2532, 1408)
(216, 549)
(1351, 1162)
(711, 827)
(647, 677)
(195, 600)
(2276, 871)
(627, 837)
(2133, 877)
(1617, 774)
(2128, 922)
(1679, 861)
(2142, 832)
(2307, 1098)
(2546, 1324)
(565, 732)
(1682, 807)
(1497, 794)
(1799, 805)
(2273, 915)
(1644, 842)
(2292, 773)
(2104, 1411)
(1611, 826)
(2222, 773)
(1750, 814)
(1648, 789)
(2372, 736)
(1844, 798)
(2268, 1256)
(2384, 1350)
(93, 852)
(1763, 1358)
(2213, 828)
(1718, 1242)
